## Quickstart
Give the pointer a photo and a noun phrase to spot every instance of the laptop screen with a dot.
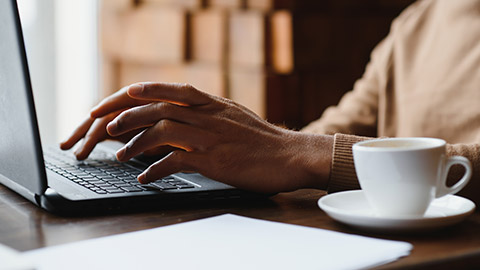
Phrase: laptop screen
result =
(20, 152)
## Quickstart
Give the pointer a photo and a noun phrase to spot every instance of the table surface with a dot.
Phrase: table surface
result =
(24, 226)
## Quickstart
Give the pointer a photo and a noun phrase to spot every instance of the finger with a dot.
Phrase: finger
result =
(77, 134)
(167, 132)
(182, 94)
(160, 151)
(148, 115)
(176, 161)
(118, 101)
(95, 135)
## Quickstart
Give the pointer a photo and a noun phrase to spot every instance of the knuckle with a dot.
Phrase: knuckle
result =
(165, 125)
(162, 107)
(120, 123)
(123, 118)
(191, 90)
(89, 137)
(179, 161)
(187, 87)
(177, 157)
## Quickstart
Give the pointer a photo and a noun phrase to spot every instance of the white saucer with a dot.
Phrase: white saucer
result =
(352, 208)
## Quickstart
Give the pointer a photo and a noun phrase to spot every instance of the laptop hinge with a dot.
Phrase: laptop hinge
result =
(38, 199)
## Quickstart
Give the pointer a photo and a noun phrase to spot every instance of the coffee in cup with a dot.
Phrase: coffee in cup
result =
(402, 176)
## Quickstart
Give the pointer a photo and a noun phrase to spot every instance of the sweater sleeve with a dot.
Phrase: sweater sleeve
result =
(342, 172)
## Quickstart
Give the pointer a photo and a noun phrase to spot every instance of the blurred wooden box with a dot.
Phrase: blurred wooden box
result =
(145, 34)
(270, 95)
(226, 4)
(247, 39)
(186, 4)
(208, 35)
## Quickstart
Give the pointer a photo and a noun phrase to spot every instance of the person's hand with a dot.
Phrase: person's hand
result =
(215, 137)
(93, 129)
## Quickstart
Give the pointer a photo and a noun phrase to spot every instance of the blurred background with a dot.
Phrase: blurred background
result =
(287, 60)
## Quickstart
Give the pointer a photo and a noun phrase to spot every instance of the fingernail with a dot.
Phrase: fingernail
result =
(135, 89)
(63, 146)
(121, 153)
(112, 127)
(141, 178)
(78, 155)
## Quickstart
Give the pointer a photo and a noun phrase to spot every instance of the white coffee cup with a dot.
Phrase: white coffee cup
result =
(402, 176)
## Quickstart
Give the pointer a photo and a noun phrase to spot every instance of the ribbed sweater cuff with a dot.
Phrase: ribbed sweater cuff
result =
(342, 174)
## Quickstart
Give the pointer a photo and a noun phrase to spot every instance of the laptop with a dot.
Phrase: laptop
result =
(53, 179)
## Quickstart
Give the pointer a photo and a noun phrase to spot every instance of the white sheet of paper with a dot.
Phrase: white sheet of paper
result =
(223, 242)
(11, 259)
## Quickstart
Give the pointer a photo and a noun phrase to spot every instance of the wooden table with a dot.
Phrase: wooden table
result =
(23, 226)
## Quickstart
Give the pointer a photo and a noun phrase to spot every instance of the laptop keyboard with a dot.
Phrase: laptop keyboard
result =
(103, 174)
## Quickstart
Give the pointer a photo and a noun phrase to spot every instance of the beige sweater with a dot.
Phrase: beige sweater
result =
(423, 80)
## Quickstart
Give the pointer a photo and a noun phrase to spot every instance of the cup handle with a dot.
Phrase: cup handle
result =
(443, 189)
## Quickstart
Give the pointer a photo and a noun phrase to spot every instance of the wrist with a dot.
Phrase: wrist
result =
(313, 157)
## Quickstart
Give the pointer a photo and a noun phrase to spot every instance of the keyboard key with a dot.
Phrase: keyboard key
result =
(176, 182)
(148, 187)
(133, 172)
(107, 177)
(115, 182)
(132, 189)
(75, 171)
(123, 177)
(185, 186)
(111, 169)
(164, 185)
(133, 182)
(104, 185)
(123, 184)
(115, 191)
(99, 173)
(98, 182)
(91, 169)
